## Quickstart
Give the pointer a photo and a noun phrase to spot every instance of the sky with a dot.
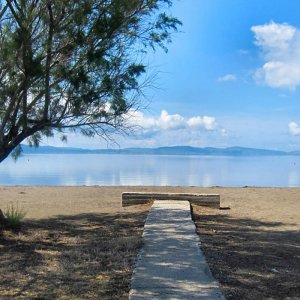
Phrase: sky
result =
(231, 77)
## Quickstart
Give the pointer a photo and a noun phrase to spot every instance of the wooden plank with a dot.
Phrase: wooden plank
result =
(134, 198)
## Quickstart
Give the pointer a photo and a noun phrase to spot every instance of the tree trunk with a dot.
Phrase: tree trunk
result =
(4, 153)
(2, 219)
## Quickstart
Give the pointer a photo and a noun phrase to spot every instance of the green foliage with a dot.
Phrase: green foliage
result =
(13, 216)
(63, 62)
(16, 153)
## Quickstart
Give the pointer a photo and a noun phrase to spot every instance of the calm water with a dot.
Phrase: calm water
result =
(64, 169)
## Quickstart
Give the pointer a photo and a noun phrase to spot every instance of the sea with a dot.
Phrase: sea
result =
(150, 170)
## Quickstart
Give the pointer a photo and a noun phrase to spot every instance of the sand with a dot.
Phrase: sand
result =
(280, 205)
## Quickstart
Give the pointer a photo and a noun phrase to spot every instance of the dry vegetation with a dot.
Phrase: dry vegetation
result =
(88, 256)
(254, 256)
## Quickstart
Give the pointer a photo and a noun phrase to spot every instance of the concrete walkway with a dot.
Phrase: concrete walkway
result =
(171, 265)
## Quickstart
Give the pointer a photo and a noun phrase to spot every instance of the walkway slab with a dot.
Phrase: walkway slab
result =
(134, 198)
(171, 264)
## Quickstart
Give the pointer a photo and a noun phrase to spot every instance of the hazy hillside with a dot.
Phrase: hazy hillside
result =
(176, 150)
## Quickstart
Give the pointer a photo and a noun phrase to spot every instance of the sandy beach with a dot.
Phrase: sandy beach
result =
(265, 218)
(265, 204)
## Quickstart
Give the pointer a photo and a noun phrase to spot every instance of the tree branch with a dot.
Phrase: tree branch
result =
(48, 62)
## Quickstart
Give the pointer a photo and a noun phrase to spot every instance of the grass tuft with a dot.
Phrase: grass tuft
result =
(13, 216)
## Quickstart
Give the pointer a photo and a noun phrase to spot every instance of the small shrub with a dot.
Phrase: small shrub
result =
(13, 216)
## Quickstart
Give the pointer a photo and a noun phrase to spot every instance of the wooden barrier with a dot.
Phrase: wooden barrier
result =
(134, 198)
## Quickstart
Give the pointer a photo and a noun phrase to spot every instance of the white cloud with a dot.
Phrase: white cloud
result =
(175, 129)
(227, 77)
(294, 128)
(275, 39)
(209, 123)
(166, 121)
(280, 45)
(137, 118)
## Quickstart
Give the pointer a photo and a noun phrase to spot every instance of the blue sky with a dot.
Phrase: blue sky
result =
(231, 77)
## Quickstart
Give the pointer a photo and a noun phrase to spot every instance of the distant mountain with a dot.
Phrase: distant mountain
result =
(64, 150)
(176, 150)
(187, 150)
(294, 153)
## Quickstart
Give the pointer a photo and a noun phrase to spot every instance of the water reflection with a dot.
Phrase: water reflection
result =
(294, 179)
(207, 180)
(89, 170)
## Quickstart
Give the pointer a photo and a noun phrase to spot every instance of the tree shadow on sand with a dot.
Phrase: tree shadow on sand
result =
(251, 259)
(86, 256)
